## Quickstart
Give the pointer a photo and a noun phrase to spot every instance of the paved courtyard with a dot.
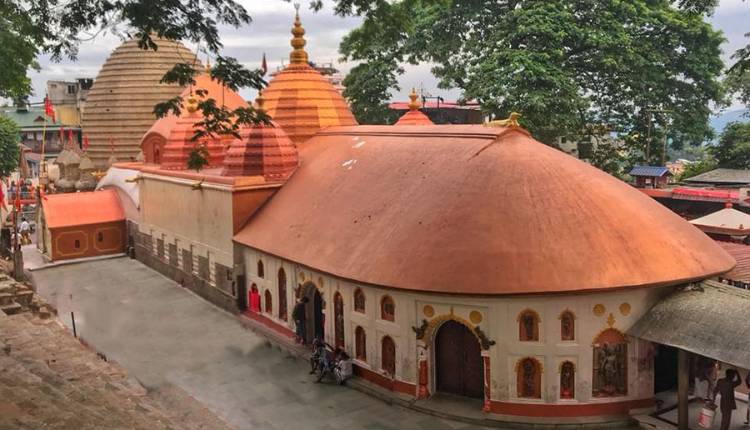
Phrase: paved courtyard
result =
(163, 335)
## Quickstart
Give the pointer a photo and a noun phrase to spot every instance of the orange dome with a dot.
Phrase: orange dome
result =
(261, 150)
(413, 116)
(468, 209)
(172, 129)
(300, 99)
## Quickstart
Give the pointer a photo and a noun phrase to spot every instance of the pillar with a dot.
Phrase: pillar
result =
(487, 381)
(682, 389)
(423, 373)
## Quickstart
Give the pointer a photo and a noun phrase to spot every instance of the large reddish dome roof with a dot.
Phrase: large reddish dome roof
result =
(300, 99)
(472, 210)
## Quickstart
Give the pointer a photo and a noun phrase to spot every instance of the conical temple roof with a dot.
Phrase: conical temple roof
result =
(121, 102)
(300, 99)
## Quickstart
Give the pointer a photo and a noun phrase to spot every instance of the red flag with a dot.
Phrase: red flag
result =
(264, 65)
(62, 135)
(85, 142)
(48, 110)
(70, 135)
(2, 199)
(18, 196)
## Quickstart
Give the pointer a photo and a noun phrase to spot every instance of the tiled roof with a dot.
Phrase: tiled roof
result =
(741, 253)
(649, 171)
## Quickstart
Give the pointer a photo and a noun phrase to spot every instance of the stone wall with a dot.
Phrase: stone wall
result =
(190, 274)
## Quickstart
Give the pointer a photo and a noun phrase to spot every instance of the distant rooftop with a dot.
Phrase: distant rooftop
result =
(722, 176)
(434, 105)
(649, 171)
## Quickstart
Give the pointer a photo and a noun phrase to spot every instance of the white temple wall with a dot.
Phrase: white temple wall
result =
(497, 317)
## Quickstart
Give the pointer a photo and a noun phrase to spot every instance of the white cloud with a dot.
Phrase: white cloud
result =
(270, 33)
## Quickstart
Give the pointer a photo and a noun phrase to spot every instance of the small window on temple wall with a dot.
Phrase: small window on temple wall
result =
(100, 237)
(567, 326)
(528, 326)
(359, 301)
(387, 309)
(360, 344)
(77, 244)
(269, 302)
(529, 378)
(261, 273)
(567, 380)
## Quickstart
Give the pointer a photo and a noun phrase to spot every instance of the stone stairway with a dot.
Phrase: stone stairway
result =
(50, 380)
(16, 297)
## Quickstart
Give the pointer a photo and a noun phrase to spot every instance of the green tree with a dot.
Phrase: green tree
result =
(198, 157)
(20, 40)
(697, 167)
(733, 149)
(564, 64)
(9, 148)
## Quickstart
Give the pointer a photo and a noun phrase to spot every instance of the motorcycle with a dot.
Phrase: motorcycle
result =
(327, 360)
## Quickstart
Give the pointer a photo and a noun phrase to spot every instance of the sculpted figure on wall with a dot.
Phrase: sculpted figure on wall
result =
(610, 364)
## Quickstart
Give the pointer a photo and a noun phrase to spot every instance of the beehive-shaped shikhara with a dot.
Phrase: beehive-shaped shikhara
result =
(262, 150)
(121, 102)
(300, 99)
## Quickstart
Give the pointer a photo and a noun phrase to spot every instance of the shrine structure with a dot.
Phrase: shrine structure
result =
(471, 260)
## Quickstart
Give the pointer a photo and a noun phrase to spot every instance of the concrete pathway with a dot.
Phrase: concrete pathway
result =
(163, 334)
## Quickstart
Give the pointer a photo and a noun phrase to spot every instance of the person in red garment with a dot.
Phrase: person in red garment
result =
(725, 386)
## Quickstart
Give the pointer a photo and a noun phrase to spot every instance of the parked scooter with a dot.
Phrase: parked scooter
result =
(327, 360)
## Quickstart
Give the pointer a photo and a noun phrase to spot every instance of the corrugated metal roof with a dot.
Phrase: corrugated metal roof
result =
(722, 176)
(710, 319)
(649, 171)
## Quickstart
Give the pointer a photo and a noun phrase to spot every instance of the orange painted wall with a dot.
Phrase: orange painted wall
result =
(63, 240)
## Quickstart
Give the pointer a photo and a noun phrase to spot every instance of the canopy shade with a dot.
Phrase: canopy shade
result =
(709, 319)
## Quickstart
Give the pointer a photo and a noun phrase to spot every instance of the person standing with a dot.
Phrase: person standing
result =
(725, 386)
(25, 229)
(299, 315)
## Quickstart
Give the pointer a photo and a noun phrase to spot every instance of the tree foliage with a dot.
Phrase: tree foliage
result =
(733, 149)
(564, 64)
(9, 148)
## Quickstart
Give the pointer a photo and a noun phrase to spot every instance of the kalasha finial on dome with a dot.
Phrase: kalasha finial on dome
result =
(511, 121)
(191, 104)
(298, 55)
(413, 104)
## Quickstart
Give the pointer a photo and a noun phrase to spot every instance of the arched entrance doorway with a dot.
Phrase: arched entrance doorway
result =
(313, 312)
(458, 361)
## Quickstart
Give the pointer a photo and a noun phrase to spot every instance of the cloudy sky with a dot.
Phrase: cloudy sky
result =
(269, 33)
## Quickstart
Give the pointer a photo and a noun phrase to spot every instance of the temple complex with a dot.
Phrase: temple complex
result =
(470, 260)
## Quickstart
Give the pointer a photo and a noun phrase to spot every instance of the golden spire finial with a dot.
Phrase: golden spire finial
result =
(191, 104)
(298, 55)
(413, 104)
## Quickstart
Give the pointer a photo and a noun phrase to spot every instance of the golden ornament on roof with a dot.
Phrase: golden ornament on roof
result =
(191, 104)
(298, 55)
(413, 104)
(511, 121)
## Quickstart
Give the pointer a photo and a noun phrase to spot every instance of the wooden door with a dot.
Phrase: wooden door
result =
(458, 361)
